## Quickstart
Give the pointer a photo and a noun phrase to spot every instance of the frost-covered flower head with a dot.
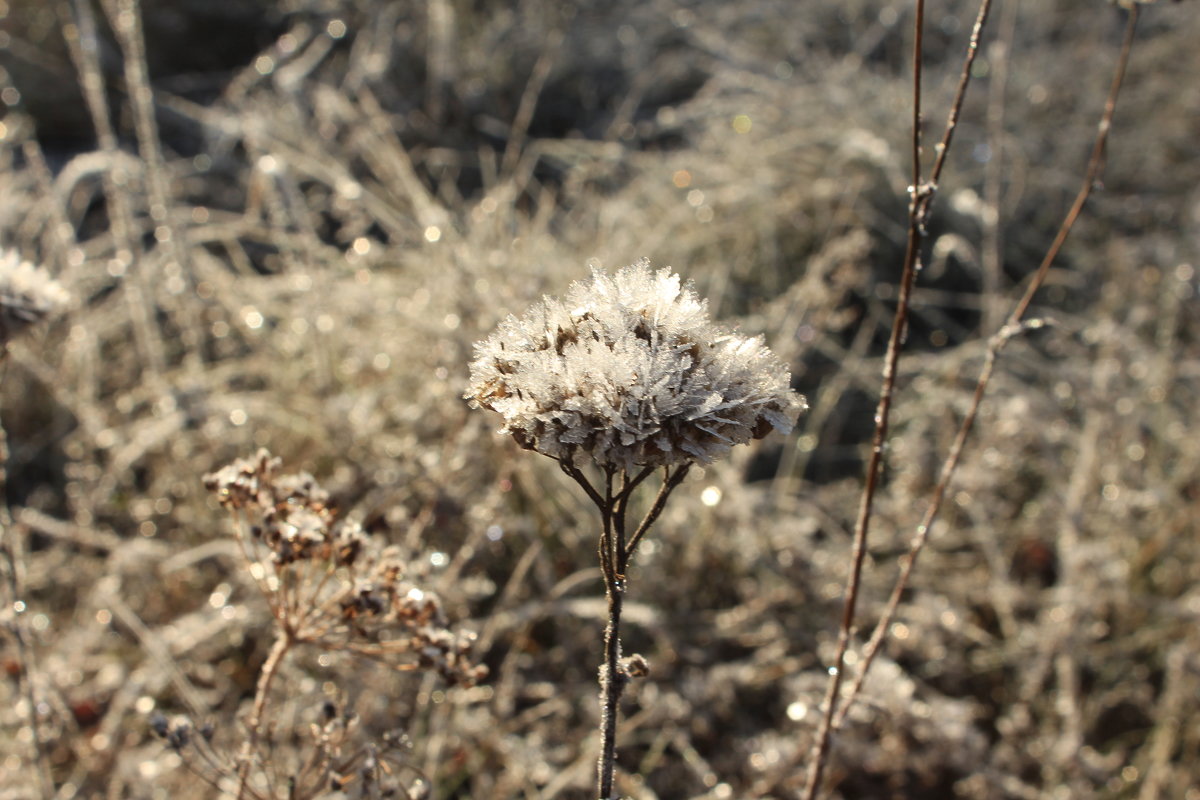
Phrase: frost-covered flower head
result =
(27, 295)
(629, 370)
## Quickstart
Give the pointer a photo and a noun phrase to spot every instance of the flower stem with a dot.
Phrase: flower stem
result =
(612, 684)
(270, 668)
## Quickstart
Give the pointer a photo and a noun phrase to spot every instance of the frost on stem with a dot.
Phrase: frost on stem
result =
(27, 295)
(629, 370)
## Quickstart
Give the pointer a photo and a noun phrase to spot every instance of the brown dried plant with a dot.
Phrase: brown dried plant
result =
(328, 585)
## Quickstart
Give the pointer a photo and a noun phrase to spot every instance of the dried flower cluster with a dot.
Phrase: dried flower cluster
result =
(629, 370)
(27, 295)
(327, 581)
(291, 513)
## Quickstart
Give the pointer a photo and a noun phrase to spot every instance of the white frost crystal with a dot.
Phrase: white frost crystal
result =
(630, 371)
(27, 295)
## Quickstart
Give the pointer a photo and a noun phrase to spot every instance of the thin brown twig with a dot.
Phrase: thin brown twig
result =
(960, 94)
(820, 752)
(632, 483)
(577, 475)
(1094, 168)
(1014, 325)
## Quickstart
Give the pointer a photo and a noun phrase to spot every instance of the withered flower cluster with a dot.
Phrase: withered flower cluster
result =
(289, 514)
(330, 584)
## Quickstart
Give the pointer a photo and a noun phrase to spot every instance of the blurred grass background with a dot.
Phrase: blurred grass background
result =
(337, 198)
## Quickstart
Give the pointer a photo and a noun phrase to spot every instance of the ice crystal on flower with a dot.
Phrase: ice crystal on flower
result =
(628, 369)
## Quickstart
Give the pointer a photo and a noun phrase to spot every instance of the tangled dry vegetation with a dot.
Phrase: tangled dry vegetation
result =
(296, 250)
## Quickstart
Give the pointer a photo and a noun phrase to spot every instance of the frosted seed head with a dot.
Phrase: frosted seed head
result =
(628, 370)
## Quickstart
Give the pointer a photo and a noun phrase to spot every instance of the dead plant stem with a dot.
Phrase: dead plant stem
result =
(283, 643)
(1014, 325)
(820, 752)
(611, 680)
(615, 553)
(670, 481)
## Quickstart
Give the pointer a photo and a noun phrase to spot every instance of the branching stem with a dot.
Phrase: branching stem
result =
(614, 553)
(1014, 325)
(670, 481)
(917, 201)
(921, 196)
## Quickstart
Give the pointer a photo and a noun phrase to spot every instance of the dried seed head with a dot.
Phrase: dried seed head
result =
(27, 295)
(629, 370)
(372, 609)
(245, 482)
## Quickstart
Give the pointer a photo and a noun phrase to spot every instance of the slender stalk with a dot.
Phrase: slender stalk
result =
(615, 554)
(1014, 325)
(922, 194)
(862, 526)
(578, 476)
(627, 486)
(964, 80)
(612, 682)
(1094, 168)
(270, 668)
